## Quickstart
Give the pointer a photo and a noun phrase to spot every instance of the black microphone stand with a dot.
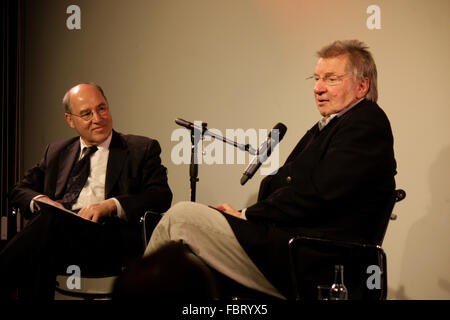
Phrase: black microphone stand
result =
(197, 134)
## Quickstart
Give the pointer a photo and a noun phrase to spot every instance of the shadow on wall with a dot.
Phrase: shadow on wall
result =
(426, 261)
(398, 294)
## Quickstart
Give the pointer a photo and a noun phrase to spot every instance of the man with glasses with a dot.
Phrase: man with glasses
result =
(106, 177)
(335, 184)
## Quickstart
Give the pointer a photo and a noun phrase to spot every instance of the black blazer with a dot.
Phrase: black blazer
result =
(134, 175)
(334, 184)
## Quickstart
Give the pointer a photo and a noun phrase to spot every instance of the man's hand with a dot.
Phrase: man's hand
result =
(46, 200)
(225, 207)
(98, 210)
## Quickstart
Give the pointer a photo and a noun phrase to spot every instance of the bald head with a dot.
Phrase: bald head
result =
(87, 111)
(66, 99)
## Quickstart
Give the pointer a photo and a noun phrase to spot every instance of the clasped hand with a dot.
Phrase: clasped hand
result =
(93, 212)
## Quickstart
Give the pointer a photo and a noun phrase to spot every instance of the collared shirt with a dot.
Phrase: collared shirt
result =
(326, 120)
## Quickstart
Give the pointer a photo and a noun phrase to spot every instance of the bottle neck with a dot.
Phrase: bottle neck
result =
(339, 274)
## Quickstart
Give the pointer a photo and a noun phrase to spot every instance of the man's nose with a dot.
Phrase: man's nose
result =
(320, 87)
(96, 116)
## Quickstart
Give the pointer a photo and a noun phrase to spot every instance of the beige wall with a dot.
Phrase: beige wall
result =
(242, 64)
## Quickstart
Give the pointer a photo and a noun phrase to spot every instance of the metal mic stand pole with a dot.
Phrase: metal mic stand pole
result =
(196, 136)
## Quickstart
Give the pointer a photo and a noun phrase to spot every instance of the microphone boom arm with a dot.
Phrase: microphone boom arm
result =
(240, 146)
(204, 131)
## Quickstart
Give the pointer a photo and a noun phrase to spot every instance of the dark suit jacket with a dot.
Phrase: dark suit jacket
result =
(134, 175)
(51, 241)
(334, 185)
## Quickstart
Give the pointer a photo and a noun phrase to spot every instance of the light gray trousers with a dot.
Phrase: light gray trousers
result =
(208, 234)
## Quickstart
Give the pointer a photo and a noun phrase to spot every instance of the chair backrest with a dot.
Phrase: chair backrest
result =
(313, 261)
(397, 195)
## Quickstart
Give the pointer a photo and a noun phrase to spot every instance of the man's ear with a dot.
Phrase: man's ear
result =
(363, 88)
(69, 120)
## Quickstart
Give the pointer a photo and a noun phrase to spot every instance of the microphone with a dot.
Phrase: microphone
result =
(264, 151)
(184, 123)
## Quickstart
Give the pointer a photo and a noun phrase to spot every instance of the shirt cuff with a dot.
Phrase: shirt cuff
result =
(32, 208)
(243, 214)
(120, 212)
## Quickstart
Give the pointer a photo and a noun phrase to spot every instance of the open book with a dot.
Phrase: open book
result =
(46, 205)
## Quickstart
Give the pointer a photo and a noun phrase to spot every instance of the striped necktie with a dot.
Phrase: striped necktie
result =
(78, 177)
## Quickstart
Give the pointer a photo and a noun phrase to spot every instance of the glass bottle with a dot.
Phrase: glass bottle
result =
(338, 291)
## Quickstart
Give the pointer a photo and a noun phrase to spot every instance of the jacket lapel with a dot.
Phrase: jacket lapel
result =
(118, 154)
(303, 143)
(66, 161)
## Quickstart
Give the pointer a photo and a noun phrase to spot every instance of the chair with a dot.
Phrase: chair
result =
(149, 222)
(101, 287)
(395, 197)
(312, 262)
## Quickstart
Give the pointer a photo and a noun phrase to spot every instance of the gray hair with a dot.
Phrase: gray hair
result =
(66, 98)
(361, 62)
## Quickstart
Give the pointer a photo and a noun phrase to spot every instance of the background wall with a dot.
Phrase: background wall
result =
(242, 64)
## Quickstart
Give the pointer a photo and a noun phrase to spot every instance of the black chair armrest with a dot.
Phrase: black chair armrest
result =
(149, 221)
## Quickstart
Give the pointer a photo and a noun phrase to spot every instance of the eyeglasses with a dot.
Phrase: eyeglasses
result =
(330, 78)
(102, 111)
